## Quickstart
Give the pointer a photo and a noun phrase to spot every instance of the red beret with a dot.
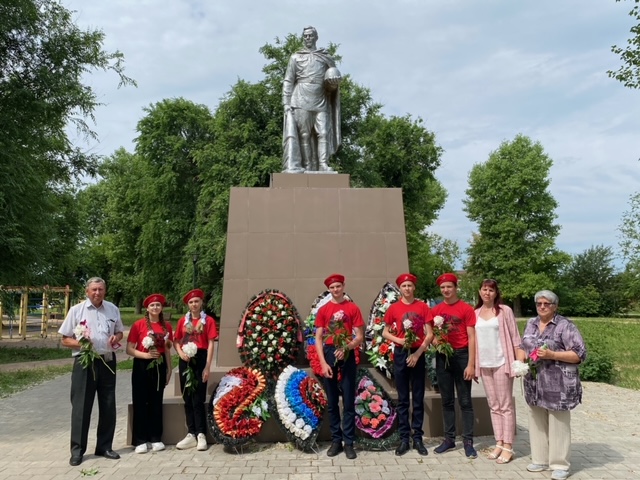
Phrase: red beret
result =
(447, 277)
(196, 292)
(406, 277)
(154, 297)
(333, 278)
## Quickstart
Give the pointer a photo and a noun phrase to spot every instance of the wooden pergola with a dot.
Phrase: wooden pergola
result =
(47, 292)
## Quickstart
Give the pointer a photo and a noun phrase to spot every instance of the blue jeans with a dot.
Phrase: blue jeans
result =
(449, 376)
(345, 429)
(409, 380)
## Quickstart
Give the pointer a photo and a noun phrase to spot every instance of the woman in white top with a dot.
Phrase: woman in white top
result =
(497, 341)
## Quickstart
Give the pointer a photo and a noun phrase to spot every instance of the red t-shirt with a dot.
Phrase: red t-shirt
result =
(201, 339)
(140, 329)
(458, 317)
(346, 311)
(415, 311)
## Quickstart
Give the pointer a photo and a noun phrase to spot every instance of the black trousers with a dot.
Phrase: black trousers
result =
(345, 429)
(147, 389)
(194, 408)
(451, 375)
(410, 385)
(84, 388)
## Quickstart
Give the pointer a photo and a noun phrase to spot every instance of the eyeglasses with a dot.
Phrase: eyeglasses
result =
(544, 304)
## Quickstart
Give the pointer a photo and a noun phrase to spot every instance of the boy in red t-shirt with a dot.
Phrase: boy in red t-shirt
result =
(459, 369)
(409, 314)
(339, 316)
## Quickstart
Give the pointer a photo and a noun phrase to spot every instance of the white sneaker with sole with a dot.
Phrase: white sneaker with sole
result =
(142, 448)
(559, 474)
(187, 442)
(157, 446)
(537, 467)
(202, 442)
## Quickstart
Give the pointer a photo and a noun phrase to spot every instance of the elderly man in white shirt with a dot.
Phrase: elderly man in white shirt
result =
(105, 332)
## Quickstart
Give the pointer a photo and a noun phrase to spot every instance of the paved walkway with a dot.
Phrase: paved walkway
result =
(34, 444)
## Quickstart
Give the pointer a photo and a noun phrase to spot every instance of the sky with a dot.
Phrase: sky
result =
(477, 72)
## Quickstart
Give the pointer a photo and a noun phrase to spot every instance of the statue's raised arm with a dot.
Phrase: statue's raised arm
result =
(311, 99)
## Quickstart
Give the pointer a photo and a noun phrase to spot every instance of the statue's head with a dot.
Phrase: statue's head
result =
(309, 36)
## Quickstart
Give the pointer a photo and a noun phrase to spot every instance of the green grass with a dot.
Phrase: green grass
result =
(13, 382)
(129, 316)
(31, 354)
(616, 336)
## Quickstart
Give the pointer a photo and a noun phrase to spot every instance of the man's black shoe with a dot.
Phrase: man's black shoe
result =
(110, 454)
(74, 461)
(350, 452)
(334, 449)
(402, 449)
(419, 446)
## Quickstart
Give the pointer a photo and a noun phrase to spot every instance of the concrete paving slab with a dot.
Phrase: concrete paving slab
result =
(34, 445)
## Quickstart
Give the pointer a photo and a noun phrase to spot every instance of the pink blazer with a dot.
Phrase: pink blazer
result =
(509, 338)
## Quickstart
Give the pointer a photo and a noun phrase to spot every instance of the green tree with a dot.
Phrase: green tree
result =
(43, 57)
(629, 72)
(630, 229)
(170, 136)
(508, 198)
(430, 255)
(113, 211)
(630, 282)
(589, 285)
(630, 245)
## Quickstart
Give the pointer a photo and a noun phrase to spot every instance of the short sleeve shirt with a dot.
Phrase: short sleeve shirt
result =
(557, 385)
(140, 329)
(458, 317)
(417, 311)
(103, 322)
(201, 339)
(346, 311)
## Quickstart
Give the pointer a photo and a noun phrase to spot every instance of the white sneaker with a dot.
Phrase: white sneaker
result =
(202, 442)
(157, 446)
(187, 442)
(142, 448)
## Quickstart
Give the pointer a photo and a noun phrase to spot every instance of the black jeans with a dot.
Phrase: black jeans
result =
(449, 376)
(147, 390)
(348, 385)
(409, 380)
(194, 408)
(84, 388)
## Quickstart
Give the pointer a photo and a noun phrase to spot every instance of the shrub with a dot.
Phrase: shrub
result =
(598, 367)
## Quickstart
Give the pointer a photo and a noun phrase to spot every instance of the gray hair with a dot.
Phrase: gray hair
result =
(95, 280)
(548, 294)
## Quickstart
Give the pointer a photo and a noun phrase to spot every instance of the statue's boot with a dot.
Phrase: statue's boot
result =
(323, 157)
(307, 154)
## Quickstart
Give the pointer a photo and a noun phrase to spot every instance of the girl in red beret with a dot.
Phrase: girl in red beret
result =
(149, 343)
(195, 331)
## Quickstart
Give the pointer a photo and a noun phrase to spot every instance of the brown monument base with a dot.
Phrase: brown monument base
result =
(290, 237)
(175, 427)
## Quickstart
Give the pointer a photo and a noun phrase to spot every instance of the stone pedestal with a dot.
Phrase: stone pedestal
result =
(290, 237)
(294, 234)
